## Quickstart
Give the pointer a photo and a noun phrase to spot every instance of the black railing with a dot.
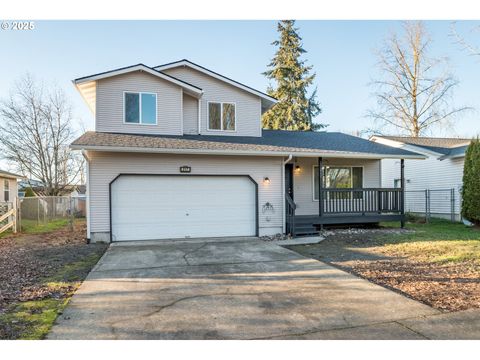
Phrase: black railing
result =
(290, 214)
(361, 201)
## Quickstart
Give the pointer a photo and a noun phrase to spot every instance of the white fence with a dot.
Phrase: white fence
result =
(8, 217)
(439, 203)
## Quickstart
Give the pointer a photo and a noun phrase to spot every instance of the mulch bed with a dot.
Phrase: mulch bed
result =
(26, 260)
(443, 286)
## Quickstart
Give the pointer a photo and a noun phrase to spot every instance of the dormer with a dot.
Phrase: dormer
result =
(173, 99)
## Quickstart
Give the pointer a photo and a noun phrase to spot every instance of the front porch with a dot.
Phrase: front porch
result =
(341, 197)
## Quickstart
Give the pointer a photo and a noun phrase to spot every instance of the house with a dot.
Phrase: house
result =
(178, 151)
(439, 176)
(8, 186)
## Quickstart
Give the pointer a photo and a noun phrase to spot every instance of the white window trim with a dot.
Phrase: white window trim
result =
(140, 107)
(6, 184)
(221, 116)
(336, 167)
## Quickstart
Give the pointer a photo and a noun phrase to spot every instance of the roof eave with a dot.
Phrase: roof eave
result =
(140, 67)
(11, 176)
(270, 101)
(393, 143)
(325, 154)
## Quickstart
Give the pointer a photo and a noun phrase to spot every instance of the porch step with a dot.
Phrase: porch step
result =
(305, 229)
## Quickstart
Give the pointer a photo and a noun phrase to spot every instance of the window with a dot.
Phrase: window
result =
(140, 108)
(339, 178)
(6, 190)
(221, 116)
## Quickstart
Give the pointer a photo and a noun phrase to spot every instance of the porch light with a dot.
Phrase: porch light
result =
(297, 168)
(266, 180)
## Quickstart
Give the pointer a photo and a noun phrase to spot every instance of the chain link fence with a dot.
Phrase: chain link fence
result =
(434, 203)
(45, 209)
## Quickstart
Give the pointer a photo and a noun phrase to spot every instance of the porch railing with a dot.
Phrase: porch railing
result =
(290, 214)
(361, 201)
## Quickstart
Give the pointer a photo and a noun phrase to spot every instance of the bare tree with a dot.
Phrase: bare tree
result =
(35, 133)
(414, 91)
(464, 44)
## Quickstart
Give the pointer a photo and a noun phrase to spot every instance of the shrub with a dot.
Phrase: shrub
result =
(29, 192)
(471, 183)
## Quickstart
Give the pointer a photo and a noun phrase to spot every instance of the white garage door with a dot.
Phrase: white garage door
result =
(169, 207)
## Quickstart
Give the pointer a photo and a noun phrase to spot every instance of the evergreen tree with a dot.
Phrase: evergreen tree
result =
(471, 183)
(294, 109)
(29, 192)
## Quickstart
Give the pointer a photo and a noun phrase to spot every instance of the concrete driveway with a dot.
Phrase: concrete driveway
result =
(229, 289)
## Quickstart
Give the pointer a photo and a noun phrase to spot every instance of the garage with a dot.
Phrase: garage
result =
(150, 207)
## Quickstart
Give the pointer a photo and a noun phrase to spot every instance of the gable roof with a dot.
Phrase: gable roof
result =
(271, 143)
(439, 145)
(139, 67)
(9, 175)
(86, 85)
(267, 100)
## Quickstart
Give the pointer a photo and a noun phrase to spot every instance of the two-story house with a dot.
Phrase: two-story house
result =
(178, 152)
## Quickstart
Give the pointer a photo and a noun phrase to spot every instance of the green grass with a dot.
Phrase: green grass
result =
(33, 320)
(439, 241)
(32, 227)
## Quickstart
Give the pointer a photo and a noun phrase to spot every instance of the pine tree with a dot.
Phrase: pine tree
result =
(29, 192)
(471, 183)
(294, 109)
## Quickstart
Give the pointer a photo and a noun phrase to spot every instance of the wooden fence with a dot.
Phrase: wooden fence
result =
(8, 216)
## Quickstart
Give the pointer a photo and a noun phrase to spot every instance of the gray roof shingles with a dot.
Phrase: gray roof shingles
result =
(439, 145)
(270, 141)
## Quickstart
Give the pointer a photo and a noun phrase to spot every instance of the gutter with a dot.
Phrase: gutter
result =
(330, 154)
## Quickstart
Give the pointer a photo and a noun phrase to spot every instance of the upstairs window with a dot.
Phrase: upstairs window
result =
(221, 116)
(6, 190)
(140, 108)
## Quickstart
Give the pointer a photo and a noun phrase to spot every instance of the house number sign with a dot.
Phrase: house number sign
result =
(185, 169)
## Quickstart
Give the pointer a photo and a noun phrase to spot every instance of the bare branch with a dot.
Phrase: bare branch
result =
(414, 90)
(35, 133)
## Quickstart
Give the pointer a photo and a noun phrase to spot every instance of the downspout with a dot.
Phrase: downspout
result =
(87, 206)
(199, 116)
(284, 215)
(290, 157)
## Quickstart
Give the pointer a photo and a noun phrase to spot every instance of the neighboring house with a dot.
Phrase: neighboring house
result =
(441, 172)
(178, 152)
(8, 186)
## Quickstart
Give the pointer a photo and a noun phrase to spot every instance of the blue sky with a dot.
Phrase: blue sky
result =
(340, 51)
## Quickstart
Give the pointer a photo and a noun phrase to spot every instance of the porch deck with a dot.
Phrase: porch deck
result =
(347, 206)
(310, 224)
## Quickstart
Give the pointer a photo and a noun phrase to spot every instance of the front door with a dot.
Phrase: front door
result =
(289, 179)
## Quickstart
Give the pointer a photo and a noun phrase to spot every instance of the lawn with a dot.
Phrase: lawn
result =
(436, 263)
(33, 227)
(39, 272)
(439, 241)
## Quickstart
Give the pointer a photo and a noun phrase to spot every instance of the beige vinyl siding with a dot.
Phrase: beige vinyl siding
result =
(190, 115)
(303, 180)
(110, 107)
(426, 174)
(13, 189)
(247, 106)
(104, 167)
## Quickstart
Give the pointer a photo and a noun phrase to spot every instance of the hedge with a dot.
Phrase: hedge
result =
(471, 183)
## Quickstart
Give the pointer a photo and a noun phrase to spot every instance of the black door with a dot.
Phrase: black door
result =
(289, 179)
